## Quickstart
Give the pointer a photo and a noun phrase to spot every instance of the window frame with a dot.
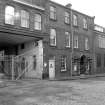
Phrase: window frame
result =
(86, 43)
(75, 20)
(67, 17)
(63, 59)
(76, 42)
(85, 24)
(53, 13)
(11, 15)
(25, 18)
(54, 36)
(67, 35)
(39, 23)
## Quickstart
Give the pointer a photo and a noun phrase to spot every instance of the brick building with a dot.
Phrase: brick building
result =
(99, 49)
(46, 40)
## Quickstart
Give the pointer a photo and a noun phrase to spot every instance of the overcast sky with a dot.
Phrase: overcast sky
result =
(90, 7)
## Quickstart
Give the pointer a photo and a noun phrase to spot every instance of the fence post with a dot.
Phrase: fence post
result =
(12, 67)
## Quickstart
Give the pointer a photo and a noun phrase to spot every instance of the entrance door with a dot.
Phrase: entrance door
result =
(51, 69)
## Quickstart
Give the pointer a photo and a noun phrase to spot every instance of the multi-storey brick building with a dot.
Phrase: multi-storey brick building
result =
(99, 49)
(46, 39)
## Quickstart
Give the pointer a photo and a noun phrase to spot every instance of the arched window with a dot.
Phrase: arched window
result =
(9, 15)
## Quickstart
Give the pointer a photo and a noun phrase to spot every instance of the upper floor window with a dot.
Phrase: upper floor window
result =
(37, 22)
(75, 20)
(67, 17)
(52, 37)
(52, 13)
(85, 26)
(24, 19)
(75, 41)
(67, 35)
(63, 63)
(9, 15)
(101, 41)
(86, 44)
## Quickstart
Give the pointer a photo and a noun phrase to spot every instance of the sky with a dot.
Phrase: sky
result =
(90, 7)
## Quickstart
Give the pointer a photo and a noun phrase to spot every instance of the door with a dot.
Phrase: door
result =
(51, 69)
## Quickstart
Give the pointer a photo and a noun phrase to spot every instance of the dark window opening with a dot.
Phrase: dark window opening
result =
(22, 46)
(98, 60)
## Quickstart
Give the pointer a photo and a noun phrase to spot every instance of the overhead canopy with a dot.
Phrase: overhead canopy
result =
(7, 39)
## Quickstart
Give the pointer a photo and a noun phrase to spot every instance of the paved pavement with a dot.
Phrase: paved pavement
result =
(43, 92)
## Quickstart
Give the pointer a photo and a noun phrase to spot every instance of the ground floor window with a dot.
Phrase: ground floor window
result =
(34, 62)
(98, 60)
(63, 63)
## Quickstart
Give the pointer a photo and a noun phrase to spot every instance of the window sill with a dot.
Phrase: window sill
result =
(67, 23)
(86, 29)
(76, 26)
(9, 25)
(76, 48)
(53, 19)
(63, 70)
(53, 46)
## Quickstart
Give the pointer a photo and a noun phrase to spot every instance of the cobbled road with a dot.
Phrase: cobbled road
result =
(43, 92)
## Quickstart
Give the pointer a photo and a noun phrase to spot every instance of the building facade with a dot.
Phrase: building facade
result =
(48, 40)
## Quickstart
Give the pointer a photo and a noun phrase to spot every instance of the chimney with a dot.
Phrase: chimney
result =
(69, 5)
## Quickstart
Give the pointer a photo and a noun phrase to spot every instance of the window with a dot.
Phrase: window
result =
(67, 35)
(75, 21)
(53, 37)
(22, 46)
(86, 44)
(37, 22)
(98, 60)
(85, 24)
(104, 60)
(75, 41)
(23, 64)
(34, 62)
(67, 18)
(63, 63)
(52, 13)
(9, 15)
(24, 19)
(101, 41)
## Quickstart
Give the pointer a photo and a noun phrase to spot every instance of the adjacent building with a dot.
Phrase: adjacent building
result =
(43, 39)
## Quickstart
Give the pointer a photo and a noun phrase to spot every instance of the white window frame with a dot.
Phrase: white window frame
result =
(53, 12)
(86, 44)
(67, 35)
(63, 60)
(9, 15)
(75, 20)
(75, 41)
(101, 41)
(85, 25)
(67, 18)
(24, 18)
(53, 37)
(37, 22)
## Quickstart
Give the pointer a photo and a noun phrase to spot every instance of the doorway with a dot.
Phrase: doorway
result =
(83, 64)
(51, 69)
